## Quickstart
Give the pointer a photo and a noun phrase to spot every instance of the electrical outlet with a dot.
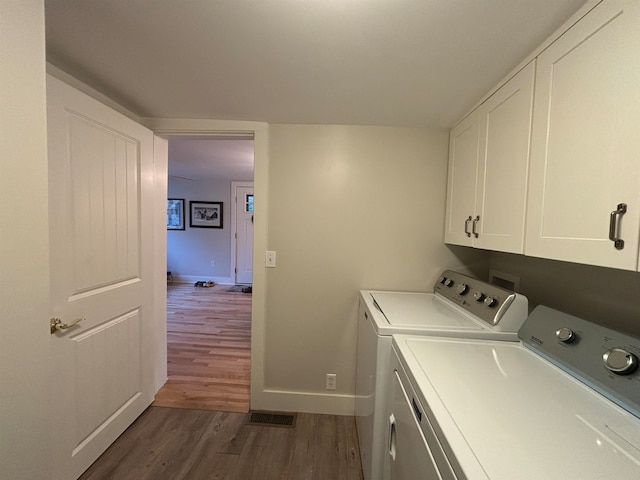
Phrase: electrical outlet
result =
(331, 381)
(270, 259)
(213, 263)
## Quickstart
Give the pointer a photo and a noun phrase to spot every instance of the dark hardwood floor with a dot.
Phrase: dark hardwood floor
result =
(176, 444)
(207, 437)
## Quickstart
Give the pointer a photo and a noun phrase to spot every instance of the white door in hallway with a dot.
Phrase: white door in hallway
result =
(101, 247)
(244, 232)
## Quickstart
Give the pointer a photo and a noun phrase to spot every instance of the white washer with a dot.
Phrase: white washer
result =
(562, 404)
(460, 306)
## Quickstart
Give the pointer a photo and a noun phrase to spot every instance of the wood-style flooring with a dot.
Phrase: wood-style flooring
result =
(208, 349)
(176, 444)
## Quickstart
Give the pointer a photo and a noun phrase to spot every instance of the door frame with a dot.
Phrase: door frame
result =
(234, 226)
(166, 127)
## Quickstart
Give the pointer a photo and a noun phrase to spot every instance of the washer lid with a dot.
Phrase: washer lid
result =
(507, 413)
(425, 309)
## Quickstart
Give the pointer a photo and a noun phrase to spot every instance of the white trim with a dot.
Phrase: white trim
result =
(306, 402)
(194, 278)
(234, 226)
(160, 178)
(260, 133)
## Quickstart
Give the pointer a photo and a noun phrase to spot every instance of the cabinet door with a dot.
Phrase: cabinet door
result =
(505, 132)
(461, 185)
(585, 143)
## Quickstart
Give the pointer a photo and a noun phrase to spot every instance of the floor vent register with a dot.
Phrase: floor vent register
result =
(272, 419)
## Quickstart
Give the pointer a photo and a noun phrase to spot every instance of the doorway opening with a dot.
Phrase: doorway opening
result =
(209, 255)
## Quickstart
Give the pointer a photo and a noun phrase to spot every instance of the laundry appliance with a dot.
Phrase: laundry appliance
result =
(561, 404)
(460, 306)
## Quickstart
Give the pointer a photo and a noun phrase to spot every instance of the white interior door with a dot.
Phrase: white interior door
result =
(100, 207)
(244, 233)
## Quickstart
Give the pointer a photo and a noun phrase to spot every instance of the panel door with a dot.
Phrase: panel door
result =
(461, 183)
(505, 132)
(244, 234)
(100, 210)
(585, 145)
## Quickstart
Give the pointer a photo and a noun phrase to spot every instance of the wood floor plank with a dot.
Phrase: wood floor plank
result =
(208, 349)
(182, 444)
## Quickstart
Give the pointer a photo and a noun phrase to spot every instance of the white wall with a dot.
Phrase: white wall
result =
(602, 295)
(24, 252)
(349, 208)
(190, 251)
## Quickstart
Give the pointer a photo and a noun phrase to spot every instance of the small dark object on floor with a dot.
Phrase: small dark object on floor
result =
(204, 284)
(241, 288)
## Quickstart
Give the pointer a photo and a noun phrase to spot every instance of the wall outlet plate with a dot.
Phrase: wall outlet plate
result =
(331, 381)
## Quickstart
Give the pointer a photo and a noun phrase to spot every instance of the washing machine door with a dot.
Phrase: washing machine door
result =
(409, 455)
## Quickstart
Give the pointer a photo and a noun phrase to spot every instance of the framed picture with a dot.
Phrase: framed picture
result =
(206, 214)
(175, 214)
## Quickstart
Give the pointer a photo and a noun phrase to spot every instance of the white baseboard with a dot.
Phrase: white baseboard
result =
(194, 279)
(304, 402)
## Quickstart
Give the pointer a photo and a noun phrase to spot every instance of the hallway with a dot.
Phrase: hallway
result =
(208, 349)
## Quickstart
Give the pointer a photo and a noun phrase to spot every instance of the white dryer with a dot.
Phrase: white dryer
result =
(459, 307)
(561, 405)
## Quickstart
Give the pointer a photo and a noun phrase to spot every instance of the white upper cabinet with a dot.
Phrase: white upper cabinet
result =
(462, 175)
(585, 152)
(488, 168)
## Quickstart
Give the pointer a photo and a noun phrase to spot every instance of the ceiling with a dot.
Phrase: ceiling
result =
(416, 63)
(411, 63)
(206, 158)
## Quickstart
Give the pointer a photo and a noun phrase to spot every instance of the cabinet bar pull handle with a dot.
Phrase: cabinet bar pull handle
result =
(466, 226)
(473, 226)
(614, 225)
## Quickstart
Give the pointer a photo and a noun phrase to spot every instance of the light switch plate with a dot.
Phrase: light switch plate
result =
(270, 259)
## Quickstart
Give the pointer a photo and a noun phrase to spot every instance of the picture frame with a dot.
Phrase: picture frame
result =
(205, 214)
(175, 214)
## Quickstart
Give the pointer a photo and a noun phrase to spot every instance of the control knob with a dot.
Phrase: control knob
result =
(620, 361)
(490, 302)
(448, 282)
(442, 279)
(462, 289)
(565, 335)
(479, 296)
